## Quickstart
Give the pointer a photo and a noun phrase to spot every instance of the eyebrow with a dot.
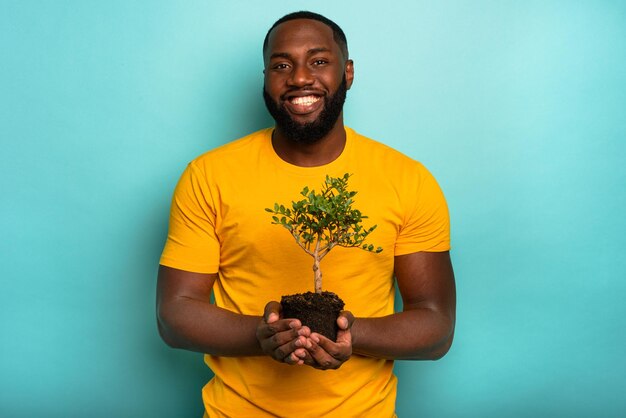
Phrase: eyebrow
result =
(309, 52)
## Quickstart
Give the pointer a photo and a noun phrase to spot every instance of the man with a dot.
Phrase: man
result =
(221, 241)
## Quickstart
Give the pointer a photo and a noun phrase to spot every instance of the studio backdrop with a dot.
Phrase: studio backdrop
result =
(518, 109)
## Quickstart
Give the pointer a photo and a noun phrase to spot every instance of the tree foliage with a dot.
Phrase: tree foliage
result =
(321, 221)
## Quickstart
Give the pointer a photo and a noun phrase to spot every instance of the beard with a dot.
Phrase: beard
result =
(310, 132)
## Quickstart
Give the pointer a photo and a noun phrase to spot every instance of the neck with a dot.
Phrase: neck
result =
(321, 152)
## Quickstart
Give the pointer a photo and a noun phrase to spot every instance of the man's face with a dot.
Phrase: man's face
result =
(306, 79)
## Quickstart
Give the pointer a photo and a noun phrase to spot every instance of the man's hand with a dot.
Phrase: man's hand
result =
(282, 339)
(325, 354)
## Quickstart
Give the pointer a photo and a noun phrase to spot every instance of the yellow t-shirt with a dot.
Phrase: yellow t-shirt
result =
(218, 225)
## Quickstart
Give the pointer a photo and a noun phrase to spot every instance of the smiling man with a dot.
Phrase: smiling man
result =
(305, 110)
(221, 242)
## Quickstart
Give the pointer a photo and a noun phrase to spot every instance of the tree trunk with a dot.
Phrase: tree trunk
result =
(316, 269)
(318, 276)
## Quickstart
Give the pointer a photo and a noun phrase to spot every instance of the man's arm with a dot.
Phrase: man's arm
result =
(187, 319)
(422, 331)
(425, 327)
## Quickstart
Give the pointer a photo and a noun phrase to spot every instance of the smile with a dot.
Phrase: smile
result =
(304, 105)
(304, 101)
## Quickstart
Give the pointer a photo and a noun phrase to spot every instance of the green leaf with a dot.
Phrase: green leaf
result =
(326, 218)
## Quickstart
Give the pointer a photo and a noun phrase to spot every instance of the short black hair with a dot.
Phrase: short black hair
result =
(338, 34)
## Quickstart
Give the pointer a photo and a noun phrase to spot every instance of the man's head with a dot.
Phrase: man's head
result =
(307, 74)
(338, 35)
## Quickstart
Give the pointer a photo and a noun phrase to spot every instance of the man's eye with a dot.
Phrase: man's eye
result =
(320, 62)
(280, 66)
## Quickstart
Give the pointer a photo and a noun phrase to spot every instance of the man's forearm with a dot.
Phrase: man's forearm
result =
(417, 334)
(200, 326)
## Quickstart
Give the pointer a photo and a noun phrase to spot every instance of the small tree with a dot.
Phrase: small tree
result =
(320, 222)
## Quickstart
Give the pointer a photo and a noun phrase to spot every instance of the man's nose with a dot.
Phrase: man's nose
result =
(301, 76)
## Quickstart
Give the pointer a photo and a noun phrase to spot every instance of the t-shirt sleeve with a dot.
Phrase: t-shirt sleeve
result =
(427, 222)
(192, 243)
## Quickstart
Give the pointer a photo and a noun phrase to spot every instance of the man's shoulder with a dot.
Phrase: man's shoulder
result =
(249, 145)
(377, 152)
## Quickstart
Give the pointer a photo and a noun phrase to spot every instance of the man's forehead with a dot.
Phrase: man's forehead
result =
(300, 31)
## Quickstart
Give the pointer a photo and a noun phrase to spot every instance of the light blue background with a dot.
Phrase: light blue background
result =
(518, 108)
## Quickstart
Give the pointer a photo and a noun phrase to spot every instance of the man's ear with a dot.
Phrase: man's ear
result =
(349, 72)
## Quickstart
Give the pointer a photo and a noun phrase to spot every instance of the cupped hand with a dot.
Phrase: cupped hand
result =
(325, 354)
(282, 339)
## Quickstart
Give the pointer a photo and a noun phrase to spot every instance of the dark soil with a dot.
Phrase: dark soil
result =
(319, 312)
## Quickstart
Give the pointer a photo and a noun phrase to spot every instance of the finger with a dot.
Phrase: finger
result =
(272, 312)
(322, 358)
(294, 360)
(330, 347)
(340, 350)
(266, 330)
(345, 320)
(303, 353)
(296, 357)
(303, 330)
(307, 358)
(286, 351)
(344, 338)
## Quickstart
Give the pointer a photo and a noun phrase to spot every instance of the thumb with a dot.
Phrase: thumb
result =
(272, 312)
(345, 320)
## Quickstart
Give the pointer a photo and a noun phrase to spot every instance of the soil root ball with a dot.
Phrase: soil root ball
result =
(319, 312)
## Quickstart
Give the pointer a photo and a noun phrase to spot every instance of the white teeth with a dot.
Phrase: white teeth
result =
(306, 100)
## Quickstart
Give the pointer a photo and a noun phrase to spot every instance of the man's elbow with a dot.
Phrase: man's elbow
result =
(166, 336)
(444, 343)
(442, 349)
(166, 327)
